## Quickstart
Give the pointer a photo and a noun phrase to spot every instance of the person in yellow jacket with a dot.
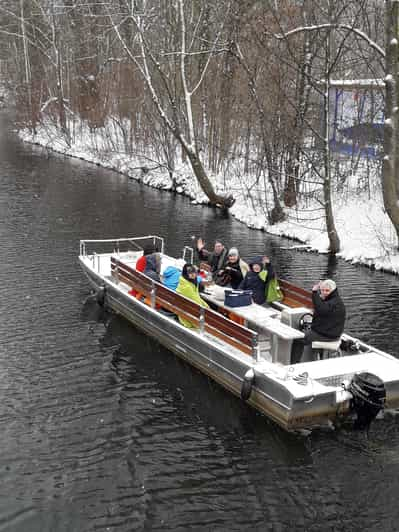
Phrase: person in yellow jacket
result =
(189, 287)
(273, 291)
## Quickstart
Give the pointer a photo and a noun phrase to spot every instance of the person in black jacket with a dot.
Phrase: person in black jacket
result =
(216, 259)
(233, 272)
(328, 318)
(253, 281)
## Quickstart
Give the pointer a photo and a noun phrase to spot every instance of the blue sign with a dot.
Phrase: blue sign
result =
(356, 121)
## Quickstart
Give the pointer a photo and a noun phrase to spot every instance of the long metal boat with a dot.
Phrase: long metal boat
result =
(247, 349)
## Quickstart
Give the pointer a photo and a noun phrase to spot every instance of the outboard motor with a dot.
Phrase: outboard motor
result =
(368, 399)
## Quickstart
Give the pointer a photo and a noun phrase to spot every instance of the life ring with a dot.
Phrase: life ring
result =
(247, 383)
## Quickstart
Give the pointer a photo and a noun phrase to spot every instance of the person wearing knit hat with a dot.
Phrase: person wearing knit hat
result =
(234, 270)
(233, 252)
(189, 287)
(255, 282)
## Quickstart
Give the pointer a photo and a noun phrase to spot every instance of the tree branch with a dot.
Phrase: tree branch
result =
(318, 27)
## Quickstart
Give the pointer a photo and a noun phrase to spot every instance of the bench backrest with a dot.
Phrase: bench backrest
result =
(295, 296)
(213, 323)
(178, 304)
(130, 276)
(233, 333)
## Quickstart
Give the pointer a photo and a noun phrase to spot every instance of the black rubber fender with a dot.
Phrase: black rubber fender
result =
(247, 383)
(100, 296)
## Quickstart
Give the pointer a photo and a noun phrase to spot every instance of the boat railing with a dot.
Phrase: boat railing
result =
(205, 320)
(120, 245)
(187, 250)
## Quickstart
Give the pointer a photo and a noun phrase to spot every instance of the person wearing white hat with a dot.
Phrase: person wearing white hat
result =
(328, 318)
(234, 271)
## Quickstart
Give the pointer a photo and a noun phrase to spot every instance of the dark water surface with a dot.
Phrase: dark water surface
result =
(103, 429)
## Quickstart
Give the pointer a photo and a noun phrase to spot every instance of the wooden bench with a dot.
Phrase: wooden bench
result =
(130, 276)
(206, 320)
(295, 296)
(178, 304)
(233, 333)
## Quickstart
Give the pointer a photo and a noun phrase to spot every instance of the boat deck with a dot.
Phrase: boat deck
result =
(325, 370)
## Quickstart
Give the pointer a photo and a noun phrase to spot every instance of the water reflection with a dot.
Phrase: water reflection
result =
(331, 266)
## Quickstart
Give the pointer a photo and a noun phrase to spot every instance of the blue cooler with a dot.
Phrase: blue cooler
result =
(238, 298)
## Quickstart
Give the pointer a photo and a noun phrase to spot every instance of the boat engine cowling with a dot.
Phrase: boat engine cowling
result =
(368, 398)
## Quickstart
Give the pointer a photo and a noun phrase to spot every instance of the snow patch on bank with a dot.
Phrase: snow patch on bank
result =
(365, 231)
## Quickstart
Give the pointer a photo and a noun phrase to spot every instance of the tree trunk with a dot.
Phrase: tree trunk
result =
(199, 171)
(390, 168)
(171, 114)
(277, 213)
(59, 77)
(294, 150)
(330, 224)
(28, 80)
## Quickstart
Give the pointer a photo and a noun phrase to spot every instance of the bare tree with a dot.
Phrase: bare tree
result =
(390, 57)
(159, 69)
(193, 62)
(28, 80)
(390, 173)
(334, 25)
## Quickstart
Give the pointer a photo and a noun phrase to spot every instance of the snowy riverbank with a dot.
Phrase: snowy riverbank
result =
(366, 234)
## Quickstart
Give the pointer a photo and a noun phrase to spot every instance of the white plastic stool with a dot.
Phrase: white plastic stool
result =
(327, 349)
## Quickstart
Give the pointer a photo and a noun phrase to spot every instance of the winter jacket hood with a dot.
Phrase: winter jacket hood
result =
(255, 260)
(152, 267)
(171, 277)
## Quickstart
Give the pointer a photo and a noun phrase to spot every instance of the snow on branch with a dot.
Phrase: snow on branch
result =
(355, 83)
(347, 27)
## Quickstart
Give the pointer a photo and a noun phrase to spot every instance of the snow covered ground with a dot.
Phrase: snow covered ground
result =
(365, 231)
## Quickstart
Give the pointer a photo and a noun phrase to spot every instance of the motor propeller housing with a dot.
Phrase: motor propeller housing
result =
(368, 398)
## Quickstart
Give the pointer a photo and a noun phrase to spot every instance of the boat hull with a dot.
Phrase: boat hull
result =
(268, 395)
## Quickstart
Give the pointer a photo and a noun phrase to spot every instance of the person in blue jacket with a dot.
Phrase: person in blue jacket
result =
(253, 281)
(170, 277)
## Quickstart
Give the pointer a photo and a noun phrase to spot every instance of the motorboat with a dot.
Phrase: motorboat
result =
(246, 349)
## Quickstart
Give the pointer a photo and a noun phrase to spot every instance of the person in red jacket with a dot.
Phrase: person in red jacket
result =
(141, 263)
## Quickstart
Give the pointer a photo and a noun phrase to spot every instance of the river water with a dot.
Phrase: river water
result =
(103, 429)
